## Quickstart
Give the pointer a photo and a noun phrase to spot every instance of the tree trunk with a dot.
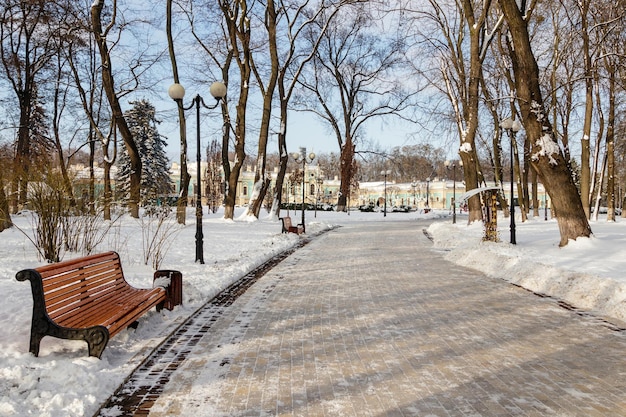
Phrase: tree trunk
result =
(468, 140)
(5, 216)
(183, 192)
(108, 192)
(347, 158)
(522, 180)
(108, 163)
(238, 25)
(92, 172)
(585, 171)
(261, 183)
(282, 146)
(610, 145)
(546, 155)
(240, 156)
(22, 155)
(535, 191)
(228, 205)
(108, 85)
(185, 178)
(282, 171)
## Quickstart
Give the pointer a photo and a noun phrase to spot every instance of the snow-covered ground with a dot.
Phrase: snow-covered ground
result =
(64, 381)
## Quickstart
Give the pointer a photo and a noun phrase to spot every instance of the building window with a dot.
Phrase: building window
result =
(244, 190)
(312, 189)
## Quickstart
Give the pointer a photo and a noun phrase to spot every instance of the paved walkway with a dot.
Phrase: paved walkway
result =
(369, 320)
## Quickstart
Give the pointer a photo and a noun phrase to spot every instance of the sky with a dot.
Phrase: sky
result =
(63, 381)
(305, 129)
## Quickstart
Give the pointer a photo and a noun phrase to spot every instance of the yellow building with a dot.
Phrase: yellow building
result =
(436, 194)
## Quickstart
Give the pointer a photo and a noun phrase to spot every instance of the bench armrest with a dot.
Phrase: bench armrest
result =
(172, 281)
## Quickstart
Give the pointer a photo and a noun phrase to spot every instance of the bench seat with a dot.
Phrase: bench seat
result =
(86, 299)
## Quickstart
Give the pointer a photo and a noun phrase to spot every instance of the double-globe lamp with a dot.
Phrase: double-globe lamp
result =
(447, 164)
(385, 173)
(302, 157)
(177, 93)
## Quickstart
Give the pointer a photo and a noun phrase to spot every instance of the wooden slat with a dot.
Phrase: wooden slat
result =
(59, 282)
(117, 317)
(137, 312)
(107, 309)
(100, 271)
(84, 295)
(85, 304)
(60, 267)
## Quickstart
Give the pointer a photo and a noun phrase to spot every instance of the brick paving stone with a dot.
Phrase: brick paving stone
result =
(369, 320)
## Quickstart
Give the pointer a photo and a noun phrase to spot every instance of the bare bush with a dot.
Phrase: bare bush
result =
(84, 233)
(49, 207)
(158, 228)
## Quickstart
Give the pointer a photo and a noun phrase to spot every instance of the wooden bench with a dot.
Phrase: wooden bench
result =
(89, 299)
(288, 228)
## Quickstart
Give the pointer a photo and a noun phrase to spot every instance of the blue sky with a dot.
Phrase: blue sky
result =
(305, 129)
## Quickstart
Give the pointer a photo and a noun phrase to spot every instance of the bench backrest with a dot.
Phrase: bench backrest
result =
(71, 285)
(286, 222)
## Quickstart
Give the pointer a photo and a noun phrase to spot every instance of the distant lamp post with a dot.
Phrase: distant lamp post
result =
(385, 173)
(512, 127)
(427, 207)
(177, 93)
(319, 180)
(302, 157)
(414, 187)
(447, 164)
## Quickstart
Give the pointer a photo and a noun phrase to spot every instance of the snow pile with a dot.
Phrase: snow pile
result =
(586, 273)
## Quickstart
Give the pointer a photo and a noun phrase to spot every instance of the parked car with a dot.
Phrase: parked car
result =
(403, 208)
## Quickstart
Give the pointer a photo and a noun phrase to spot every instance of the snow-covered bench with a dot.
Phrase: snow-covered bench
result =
(89, 299)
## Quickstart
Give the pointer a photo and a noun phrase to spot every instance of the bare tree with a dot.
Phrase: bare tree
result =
(587, 56)
(288, 20)
(82, 56)
(610, 23)
(294, 59)
(457, 35)
(59, 104)
(547, 157)
(25, 50)
(181, 206)
(108, 83)
(238, 31)
(354, 79)
(261, 180)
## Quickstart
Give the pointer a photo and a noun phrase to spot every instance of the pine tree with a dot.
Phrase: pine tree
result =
(155, 179)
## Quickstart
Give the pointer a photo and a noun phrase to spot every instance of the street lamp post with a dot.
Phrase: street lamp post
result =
(512, 127)
(427, 208)
(302, 157)
(177, 92)
(319, 181)
(447, 164)
(385, 173)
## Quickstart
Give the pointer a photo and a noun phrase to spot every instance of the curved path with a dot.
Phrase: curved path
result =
(369, 320)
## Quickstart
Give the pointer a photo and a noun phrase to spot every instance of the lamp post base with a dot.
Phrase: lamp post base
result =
(513, 239)
(199, 236)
